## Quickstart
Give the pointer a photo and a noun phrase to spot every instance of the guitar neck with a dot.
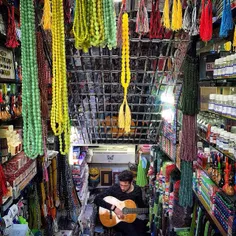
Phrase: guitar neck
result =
(136, 210)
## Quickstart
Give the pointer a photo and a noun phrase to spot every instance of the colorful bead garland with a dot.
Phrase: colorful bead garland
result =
(32, 125)
(59, 113)
(124, 120)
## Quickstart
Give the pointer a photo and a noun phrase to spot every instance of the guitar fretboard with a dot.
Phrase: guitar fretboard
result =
(135, 210)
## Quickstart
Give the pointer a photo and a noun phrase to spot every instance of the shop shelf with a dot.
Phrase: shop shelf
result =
(9, 81)
(207, 208)
(232, 198)
(225, 154)
(225, 116)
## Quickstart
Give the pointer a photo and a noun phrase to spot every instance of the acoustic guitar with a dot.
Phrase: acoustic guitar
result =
(130, 211)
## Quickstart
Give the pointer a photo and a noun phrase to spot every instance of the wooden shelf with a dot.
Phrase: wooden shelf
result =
(207, 208)
(225, 116)
(9, 81)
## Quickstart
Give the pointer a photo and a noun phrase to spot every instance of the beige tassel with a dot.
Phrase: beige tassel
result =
(121, 117)
(127, 118)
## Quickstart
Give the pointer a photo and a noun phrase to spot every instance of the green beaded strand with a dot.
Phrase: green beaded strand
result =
(32, 125)
(109, 24)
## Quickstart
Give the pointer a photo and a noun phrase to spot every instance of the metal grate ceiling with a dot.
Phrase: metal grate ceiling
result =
(95, 92)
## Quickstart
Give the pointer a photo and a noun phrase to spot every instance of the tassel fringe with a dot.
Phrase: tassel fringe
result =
(46, 19)
(176, 15)
(121, 118)
(166, 15)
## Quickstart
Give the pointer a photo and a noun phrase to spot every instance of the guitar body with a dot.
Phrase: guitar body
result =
(110, 219)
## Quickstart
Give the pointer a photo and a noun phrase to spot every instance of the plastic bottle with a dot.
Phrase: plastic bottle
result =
(227, 65)
(235, 147)
(220, 103)
(212, 134)
(216, 69)
(226, 142)
(224, 67)
(234, 64)
(219, 73)
(221, 140)
(206, 157)
(231, 65)
(224, 104)
(230, 104)
(216, 136)
(216, 106)
(211, 102)
(233, 110)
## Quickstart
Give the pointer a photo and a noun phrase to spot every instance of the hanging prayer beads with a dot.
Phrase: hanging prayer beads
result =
(124, 120)
(59, 113)
(32, 125)
(80, 28)
(109, 24)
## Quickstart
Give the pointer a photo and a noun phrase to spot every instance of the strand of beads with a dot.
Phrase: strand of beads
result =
(94, 33)
(100, 21)
(59, 113)
(109, 23)
(32, 128)
(80, 29)
(124, 120)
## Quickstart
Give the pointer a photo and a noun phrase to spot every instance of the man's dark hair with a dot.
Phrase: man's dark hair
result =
(126, 175)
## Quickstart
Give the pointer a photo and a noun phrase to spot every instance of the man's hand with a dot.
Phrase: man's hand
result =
(119, 213)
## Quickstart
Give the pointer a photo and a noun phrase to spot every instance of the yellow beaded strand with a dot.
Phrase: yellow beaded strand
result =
(59, 113)
(124, 120)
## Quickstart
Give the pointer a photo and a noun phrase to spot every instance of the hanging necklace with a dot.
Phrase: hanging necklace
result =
(60, 122)
(124, 120)
(80, 29)
(109, 23)
(32, 127)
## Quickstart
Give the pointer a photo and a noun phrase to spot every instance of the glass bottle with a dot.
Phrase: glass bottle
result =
(231, 144)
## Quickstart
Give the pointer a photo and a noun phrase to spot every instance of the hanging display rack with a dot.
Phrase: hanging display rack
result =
(95, 92)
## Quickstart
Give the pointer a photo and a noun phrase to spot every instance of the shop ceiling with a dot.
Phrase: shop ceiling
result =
(95, 92)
